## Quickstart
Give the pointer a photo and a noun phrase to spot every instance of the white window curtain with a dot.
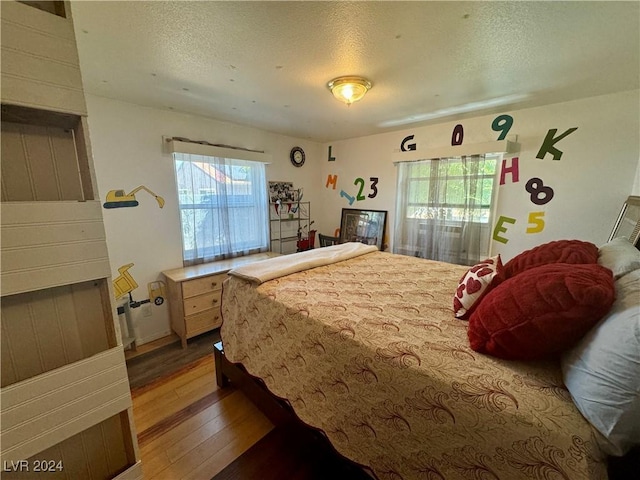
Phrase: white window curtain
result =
(223, 207)
(444, 208)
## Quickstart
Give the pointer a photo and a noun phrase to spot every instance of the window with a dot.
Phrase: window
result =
(441, 189)
(444, 208)
(223, 207)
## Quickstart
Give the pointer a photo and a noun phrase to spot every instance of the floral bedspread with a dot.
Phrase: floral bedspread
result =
(368, 350)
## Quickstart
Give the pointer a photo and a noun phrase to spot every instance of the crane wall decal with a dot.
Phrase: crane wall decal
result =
(119, 199)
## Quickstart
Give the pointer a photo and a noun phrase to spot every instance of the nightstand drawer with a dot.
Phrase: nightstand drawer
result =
(199, 286)
(202, 302)
(203, 322)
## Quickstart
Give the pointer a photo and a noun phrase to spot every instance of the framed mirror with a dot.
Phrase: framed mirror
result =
(365, 226)
(628, 221)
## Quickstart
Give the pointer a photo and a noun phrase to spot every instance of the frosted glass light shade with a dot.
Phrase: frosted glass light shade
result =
(349, 89)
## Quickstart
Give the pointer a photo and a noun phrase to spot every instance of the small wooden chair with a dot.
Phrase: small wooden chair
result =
(326, 240)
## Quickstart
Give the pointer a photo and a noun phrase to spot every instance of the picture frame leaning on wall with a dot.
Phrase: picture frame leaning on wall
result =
(628, 222)
(364, 226)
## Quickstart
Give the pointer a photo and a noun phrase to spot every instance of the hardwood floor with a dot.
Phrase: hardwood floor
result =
(190, 429)
(166, 356)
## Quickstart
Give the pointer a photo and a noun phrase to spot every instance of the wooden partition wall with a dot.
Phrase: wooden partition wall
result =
(64, 388)
(48, 156)
(47, 329)
(97, 453)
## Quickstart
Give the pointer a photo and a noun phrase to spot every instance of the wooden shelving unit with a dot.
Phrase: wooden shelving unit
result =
(64, 388)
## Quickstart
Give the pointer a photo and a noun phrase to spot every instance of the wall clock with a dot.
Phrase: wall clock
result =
(297, 156)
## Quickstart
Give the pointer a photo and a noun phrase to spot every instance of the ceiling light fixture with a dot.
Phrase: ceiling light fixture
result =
(349, 89)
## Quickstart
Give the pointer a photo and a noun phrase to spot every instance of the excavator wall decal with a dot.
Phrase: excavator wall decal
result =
(119, 199)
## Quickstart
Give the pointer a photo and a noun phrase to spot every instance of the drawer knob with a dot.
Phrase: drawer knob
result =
(214, 284)
(215, 300)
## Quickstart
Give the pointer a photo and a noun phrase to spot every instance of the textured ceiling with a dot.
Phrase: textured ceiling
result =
(266, 64)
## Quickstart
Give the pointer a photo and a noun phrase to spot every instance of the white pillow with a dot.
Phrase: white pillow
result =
(602, 372)
(619, 256)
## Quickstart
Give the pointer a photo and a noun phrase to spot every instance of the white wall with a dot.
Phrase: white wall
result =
(599, 168)
(636, 182)
(127, 150)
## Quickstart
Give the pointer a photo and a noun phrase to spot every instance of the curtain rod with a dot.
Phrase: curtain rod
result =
(498, 146)
(204, 142)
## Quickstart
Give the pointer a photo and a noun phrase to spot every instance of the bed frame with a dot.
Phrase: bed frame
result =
(279, 411)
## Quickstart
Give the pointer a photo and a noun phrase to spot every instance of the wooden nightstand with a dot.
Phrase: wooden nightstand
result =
(195, 294)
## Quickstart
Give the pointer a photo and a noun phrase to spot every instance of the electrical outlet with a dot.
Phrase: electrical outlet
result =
(146, 310)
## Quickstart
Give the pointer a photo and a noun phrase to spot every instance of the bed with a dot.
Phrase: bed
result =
(367, 351)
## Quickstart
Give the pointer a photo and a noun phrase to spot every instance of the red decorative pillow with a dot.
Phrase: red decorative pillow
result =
(559, 251)
(474, 284)
(542, 311)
